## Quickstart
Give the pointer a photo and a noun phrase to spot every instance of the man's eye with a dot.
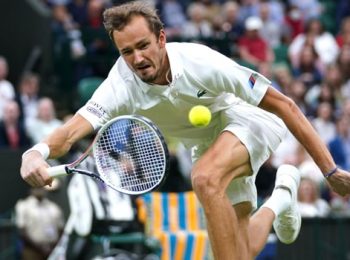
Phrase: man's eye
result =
(128, 52)
(144, 46)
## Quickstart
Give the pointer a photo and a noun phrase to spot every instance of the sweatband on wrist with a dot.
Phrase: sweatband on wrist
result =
(327, 175)
(42, 148)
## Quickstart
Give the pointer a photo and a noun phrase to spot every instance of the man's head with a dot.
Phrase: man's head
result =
(138, 34)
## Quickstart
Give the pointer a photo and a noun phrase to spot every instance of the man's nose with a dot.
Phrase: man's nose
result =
(138, 57)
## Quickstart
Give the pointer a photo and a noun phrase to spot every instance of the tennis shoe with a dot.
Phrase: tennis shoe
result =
(287, 224)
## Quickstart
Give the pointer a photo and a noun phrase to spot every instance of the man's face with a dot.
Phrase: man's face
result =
(142, 51)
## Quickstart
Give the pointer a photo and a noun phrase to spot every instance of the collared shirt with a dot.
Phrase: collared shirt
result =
(200, 76)
(42, 220)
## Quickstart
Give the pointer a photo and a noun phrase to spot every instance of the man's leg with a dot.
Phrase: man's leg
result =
(280, 210)
(228, 226)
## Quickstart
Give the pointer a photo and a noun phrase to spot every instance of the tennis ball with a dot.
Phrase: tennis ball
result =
(199, 116)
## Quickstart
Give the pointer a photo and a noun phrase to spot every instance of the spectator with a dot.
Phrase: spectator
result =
(343, 36)
(253, 49)
(324, 43)
(309, 200)
(323, 123)
(40, 223)
(197, 26)
(173, 15)
(28, 95)
(282, 77)
(271, 31)
(213, 9)
(231, 24)
(296, 91)
(45, 122)
(344, 64)
(294, 21)
(342, 10)
(339, 145)
(66, 29)
(309, 8)
(248, 8)
(318, 94)
(335, 80)
(7, 91)
(12, 132)
(308, 67)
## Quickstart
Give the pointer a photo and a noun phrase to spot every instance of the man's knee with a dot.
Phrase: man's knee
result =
(206, 183)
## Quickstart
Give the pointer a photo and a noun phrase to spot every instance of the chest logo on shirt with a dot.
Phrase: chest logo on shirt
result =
(252, 80)
(201, 92)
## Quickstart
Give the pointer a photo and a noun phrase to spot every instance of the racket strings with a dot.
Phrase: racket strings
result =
(129, 156)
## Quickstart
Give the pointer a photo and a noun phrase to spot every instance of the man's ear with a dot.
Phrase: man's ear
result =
(162, 39)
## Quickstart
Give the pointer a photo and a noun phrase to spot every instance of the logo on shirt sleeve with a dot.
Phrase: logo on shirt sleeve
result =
(252, 80)
(95, 109)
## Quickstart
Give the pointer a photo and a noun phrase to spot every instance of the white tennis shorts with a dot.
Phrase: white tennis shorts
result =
(261, 132)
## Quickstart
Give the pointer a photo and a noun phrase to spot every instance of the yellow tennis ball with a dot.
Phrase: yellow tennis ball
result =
(199, 116)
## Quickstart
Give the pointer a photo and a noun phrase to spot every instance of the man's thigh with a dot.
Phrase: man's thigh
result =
(225, 159)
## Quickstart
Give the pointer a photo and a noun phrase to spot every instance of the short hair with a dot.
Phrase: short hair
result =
(117, 17)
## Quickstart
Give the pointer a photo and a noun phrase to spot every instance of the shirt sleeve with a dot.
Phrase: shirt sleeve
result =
(109, 100)
(228, 76)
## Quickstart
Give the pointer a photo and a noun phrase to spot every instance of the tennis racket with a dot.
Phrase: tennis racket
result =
(130, 153)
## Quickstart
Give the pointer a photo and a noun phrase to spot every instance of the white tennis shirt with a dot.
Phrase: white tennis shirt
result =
(200, 76)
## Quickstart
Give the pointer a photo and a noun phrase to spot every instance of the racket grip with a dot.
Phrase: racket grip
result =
(57, 171)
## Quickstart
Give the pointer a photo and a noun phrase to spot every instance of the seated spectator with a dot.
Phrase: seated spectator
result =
(95, 9)
(12, 131)
(45, 122)
(40, 223)
(324, 43)
(343, 36)
(28, 95)
(308, 68)
(344, 65)
(335, 80)
(339, 145)
(66, 30)
(248, 8)
(309, 8)
(231, 23)
(271, 31)
(253, 49)
(318, 94)
(7, 91)
(197, 26)
(309, 201)
(323, 122)
(294, 21)
(173, 15)
(213, 9)
(282, 77)
(297, 91)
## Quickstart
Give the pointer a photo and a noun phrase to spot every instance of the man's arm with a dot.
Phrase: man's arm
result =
(33, 169)
(301, 128)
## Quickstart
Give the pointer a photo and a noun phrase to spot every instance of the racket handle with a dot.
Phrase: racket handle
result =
(57, 171)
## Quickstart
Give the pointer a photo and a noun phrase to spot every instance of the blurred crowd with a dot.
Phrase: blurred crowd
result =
(302, 46)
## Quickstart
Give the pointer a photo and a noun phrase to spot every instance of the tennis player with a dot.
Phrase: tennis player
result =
(162, 81)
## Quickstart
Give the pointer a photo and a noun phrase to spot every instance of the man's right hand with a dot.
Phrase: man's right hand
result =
(34, 170)
(340, 182)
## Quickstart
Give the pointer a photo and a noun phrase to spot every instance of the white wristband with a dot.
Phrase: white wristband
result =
(42, 148)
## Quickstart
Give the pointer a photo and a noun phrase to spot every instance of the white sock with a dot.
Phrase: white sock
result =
(279, 201)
